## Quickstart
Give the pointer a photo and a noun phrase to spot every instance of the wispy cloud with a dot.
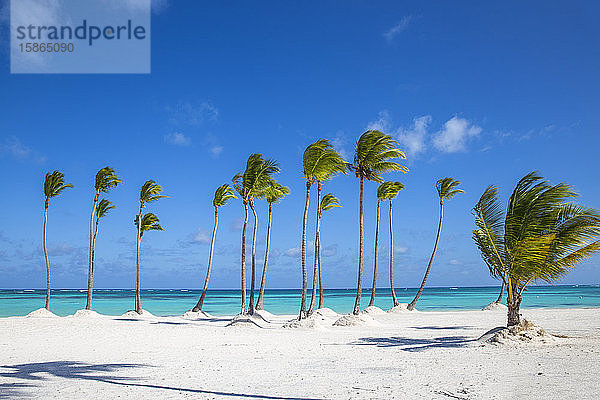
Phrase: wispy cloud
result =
(414, 137)
(201, 236)
(455, 134)
(398, 28)
(189, 114)
(17, 150)
(178, 139)
(216, 151)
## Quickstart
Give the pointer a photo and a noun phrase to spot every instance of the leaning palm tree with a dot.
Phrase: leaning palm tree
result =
(447, 189)
(149, 192)
(251, 184)
(273, 194)
(102, 210)
(222, 195)
(149, 222)
(54, 184)
(385, 191)
(328, 202)
(106, 179)
(540, 238)
(320, 162)
(373, 155)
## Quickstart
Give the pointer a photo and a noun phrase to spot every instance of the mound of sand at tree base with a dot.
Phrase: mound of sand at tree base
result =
(400, 308)
(245, 321)
(86, 314)
(196, 315)
(495, 307)
(314, 321)
(41, 313)
(264, 315)
(327, 312)
(134, 314)
(524, 332)
(356, 320)
(373, 310)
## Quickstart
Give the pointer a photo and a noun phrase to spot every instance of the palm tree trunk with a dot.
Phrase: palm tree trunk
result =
(514, 304)
(304, 277)
(360, 252)
(88, 305)
(244, 258)
(499, 299)
(198, 306)
(94, 254)
(320, 276)
(46, 204)
(263, 281)
(394, 299)
(138, 298)
(313, 299)
(411, 306)
(372, 301)
(251, 310)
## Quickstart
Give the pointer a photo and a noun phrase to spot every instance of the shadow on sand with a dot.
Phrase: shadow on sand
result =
(415, 344)
(99, 373)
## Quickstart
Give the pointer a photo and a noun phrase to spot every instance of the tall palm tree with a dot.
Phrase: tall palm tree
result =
(540, 238)
(373, 155)
(385, 191)
(54, 184)
(102, 209)
(251, 184)
(328, 202)
(106, 179)
(447, 189)
(149, 192)
(273, 194)
(222, 195)
(320, 162)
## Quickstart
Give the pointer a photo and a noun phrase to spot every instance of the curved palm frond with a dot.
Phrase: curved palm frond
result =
(151, 191)
(328, 202)
(54, 184)
(256, 177)
(488, 235)
(275, 192)
(103, 207)
(222, 195)
(150, 222)
(321, 161)
(373, 155)
(106, 179)
(446, 188)
(389, 190)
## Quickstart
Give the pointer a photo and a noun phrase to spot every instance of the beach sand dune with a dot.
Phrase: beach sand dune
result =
(424, 355)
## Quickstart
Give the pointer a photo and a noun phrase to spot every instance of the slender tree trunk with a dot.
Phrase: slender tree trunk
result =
(252, 280)
(94, 250)
(304, 277)
(313, 299)
(320, 275)
(198, 306)
(514, 304)
(499, 299)
(88, 305)
(360, 252)
(46, 204)
(263, 281)
(411, 306)
(394, 299)
(372, 301)
(138, 298)
(244, 258)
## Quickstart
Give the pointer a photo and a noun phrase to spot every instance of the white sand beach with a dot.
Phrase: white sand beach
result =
(401, 355)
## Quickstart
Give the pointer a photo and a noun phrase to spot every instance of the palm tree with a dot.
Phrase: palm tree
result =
(149, 192)
(222, 195)
(385, 191)
(250, 185)
(273, 194)
(102, 210)
(446, 189)
(106, 179)
(541, 237)
(328, 202)
(374, 152)
(54, 184)
(320, 162)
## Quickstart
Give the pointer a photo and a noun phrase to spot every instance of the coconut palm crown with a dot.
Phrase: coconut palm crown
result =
(54, 184)
(446, 188)
(321, 162)
(222, 195)
(541, 236)
(275, 192)
(104, 206)
(106, 179)
(328, 202)
(151, 191)
(389, 190)
(374, 151)
(150, 222)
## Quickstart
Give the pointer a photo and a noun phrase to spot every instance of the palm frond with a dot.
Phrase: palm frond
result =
(373, 155)
(150, 222)
(275, 192)
(446, 188)
(103, 207)
(222, 195)
(488, 235)
(106, 179)
(321, 161)
(54, 184)
(151, 191)
(389, 190)
(328, 202)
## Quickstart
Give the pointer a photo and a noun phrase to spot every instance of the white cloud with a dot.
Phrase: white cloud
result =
(382, 123)
(201, 236)
(340, 144)
(13, 146)
(186, 113)
(414, 137)
(178, 139)
(398, 28)
(454, 135)
(400, 249)
(216, 150)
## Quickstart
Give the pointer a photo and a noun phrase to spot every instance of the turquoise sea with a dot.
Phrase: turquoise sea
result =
(17, 302)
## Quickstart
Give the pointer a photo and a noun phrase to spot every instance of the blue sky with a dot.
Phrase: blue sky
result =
(480, 91)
